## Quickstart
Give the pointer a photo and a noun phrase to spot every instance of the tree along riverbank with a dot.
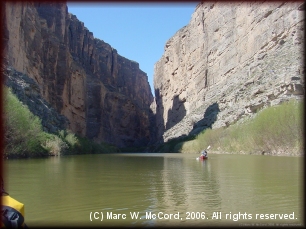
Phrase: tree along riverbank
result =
(24, 136)
(277, 130)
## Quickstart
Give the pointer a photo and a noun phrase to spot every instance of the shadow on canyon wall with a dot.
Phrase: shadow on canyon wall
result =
(177, 113)
(159, 124)
(210, 116)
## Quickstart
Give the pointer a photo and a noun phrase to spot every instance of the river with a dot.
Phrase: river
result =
(139, 189)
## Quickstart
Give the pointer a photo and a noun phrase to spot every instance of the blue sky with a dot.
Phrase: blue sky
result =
(137, 30)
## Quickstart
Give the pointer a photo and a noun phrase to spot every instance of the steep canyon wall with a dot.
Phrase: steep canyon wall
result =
(229, 61)
(105, 96)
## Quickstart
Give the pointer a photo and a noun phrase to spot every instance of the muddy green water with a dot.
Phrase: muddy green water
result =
(158, 190)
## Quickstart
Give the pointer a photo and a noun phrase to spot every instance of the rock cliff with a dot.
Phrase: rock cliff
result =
(105, 96)
(28, 92)
(229, 61)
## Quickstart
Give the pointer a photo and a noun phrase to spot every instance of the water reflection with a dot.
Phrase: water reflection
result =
(67, 189)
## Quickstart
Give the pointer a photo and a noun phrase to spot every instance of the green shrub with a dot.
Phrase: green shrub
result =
(69, 138)
(273, 129)
(278, 127)
(24, 135)
(55, 146)
(82, 145)
(210, 137)
(22, 130)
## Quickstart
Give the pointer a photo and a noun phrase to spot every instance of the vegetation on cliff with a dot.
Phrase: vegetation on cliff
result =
(274, 130)
(24, 135)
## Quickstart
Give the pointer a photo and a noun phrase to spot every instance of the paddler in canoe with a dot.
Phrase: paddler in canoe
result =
(204, 154)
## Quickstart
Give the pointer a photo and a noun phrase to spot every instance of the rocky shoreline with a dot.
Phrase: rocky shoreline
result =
(287, 152)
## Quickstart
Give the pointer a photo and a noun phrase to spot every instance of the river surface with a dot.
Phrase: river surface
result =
(158, 190)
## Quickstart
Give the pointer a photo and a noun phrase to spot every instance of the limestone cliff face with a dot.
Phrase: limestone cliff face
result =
(229, 61)
(105, 96)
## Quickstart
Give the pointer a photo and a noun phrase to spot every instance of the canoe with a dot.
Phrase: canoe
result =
(12, 212)
(202, 157)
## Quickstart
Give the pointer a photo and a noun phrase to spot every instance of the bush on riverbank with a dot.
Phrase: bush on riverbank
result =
(24, 135)
(22, 130)
(81, 145)
(277, 129)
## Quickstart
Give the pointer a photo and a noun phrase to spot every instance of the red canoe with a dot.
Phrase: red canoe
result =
(202, 157)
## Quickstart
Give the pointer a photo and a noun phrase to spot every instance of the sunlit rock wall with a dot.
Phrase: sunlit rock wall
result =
(229, 61)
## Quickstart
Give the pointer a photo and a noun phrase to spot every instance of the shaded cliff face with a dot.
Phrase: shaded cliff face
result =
(105, 96)
(229, 61)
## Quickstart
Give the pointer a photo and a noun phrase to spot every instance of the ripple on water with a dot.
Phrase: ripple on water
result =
(66, 191)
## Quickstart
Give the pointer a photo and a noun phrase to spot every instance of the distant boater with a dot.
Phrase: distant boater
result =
(204, 152)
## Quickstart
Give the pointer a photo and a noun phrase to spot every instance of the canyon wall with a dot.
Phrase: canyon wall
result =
(231, 60)
(105, 96)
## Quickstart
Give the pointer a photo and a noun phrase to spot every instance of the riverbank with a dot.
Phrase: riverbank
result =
(279, 153)
(286, 152)
(276, 130)
(25, 137)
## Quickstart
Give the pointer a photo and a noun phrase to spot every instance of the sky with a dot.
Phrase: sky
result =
(137, 30)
